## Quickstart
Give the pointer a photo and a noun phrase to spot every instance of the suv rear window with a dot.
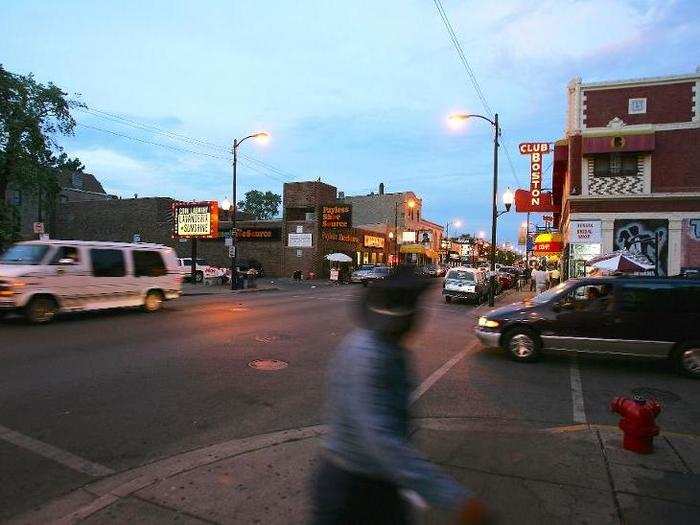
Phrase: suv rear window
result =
(460, 275)
(148, 263)
(107, 263)
(660, 297)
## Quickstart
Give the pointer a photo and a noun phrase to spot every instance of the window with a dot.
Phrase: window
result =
(24, 254)
(148, 263)
(637, 106)
(615, 164)
(460, 275)
(15, 197)
(64, 253)
(661, 298)
(107, 263)
(589, 297)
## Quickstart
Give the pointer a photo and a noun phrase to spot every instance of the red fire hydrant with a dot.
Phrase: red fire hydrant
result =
(638, 422)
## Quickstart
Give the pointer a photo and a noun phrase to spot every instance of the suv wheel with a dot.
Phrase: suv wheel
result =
(153, 301)
(522, 345)
(688, 360)
(199, 276)
(41, 310)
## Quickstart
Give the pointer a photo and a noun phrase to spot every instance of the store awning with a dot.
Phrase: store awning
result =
(413, 248)
(617, 143)
(548, 244)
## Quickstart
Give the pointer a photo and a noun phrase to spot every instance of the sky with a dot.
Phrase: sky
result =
(356, 93)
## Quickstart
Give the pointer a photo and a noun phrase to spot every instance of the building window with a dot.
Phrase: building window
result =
(15, 197)
(637, 106)
(614, 165)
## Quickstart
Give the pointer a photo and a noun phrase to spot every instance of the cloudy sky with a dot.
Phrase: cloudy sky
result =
(352, 92)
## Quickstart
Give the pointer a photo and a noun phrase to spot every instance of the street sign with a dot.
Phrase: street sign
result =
(231, 251)
(228, 241)
(38, 227)
(136, 238)
(43, 236)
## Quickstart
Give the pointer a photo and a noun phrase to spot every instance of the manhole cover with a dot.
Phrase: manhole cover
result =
(268, 364)
(656, 393)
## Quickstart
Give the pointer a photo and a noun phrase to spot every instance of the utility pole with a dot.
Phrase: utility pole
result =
(494, 211)
(234, 271)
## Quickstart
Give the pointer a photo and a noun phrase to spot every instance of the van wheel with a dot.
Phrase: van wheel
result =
(687, 359)
(41, 310)
(199, 276)
(448, 299)
(153, 301)
(522, 345)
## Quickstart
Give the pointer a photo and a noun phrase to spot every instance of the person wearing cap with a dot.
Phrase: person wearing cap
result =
(367, 459)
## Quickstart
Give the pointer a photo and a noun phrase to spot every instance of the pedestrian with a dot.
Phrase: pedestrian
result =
(530, 278)
(555, 276)
(541, 279)
(367, 457)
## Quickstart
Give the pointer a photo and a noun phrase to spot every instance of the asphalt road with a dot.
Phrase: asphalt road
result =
(120, 389)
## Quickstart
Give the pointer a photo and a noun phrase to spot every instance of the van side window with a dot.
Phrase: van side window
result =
(649, 297)
(148, 263)
(107, 263)
(66, 252)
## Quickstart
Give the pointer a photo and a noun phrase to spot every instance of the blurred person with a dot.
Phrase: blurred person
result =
(554, 276)
(367, 458)
(541, 279)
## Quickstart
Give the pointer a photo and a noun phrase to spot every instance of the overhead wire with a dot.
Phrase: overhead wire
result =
(474, 81)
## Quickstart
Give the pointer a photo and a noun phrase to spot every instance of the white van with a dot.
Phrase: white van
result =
(43, 278)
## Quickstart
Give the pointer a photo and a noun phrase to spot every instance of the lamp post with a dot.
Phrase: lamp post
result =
(411, 204)
(261, 136)
(458, 119)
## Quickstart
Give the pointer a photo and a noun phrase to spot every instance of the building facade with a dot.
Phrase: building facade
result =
(628, 172)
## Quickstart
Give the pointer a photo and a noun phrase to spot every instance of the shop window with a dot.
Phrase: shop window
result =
(380, 258)
(374, 258)
(365, 258)
(359, 258)
(615, 165)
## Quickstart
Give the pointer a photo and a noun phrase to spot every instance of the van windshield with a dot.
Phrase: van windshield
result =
(460, 275)
(24, 254)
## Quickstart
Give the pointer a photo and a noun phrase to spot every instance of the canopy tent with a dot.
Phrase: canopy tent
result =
(338, 257)
(621, 261)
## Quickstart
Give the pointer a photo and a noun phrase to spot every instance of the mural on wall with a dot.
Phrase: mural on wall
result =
(690, 243)
(639, 236)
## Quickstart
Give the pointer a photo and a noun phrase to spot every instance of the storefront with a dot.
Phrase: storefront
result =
(417, 254)
(548, 247)
(584, 243)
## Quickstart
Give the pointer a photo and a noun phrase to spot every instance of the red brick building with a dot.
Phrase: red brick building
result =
(628, 171)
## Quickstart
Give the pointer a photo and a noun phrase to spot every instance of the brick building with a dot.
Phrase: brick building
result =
(628, 171)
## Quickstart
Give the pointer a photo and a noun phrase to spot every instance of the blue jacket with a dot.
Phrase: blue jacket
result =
(369, 395)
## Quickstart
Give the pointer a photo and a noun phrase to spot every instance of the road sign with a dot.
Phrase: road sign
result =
(228, 241)
(231, 251)
(136, 238)
(38, 227)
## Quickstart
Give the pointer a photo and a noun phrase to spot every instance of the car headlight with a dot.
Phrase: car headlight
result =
(487, 323)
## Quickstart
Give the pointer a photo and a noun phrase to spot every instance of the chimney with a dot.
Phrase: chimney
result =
(381, 188)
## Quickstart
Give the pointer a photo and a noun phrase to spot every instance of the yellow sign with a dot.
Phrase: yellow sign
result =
(373, 241)
(197, 219)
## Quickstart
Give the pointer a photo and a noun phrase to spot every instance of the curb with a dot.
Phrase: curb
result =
(231, 292)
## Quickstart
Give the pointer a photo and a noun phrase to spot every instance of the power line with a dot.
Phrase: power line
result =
(219, 148)
(474, 81)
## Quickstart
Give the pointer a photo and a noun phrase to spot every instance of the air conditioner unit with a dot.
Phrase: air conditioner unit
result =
(310, 217)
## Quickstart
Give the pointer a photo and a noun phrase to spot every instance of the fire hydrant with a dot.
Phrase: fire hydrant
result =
(638, 423)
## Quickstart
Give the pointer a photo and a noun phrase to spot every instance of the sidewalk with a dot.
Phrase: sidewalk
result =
(264, 284)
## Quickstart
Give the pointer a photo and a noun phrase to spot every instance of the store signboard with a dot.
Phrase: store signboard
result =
(196, 220)
(336, 216)
(373, 241)
(585, 232)
(524, 202)
(535, 150)
(522, 235)
(300, 240)
(408, 237)
(259, 234)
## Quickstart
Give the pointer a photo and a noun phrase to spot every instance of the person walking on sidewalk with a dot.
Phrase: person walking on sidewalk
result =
(367, 458)
(541, 280)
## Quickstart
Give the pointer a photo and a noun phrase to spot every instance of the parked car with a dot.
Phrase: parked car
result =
(432, 270)
(632, 316)
(202, 270)
(376, 274)
(505, 280)
(43, 278)
(251, 264)
(465, 283)
(361, 273)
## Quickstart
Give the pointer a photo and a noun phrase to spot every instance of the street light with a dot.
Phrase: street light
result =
(261, 137)
(455, 120)
(225, 204)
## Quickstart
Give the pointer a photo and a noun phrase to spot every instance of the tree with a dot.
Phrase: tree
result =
(32, 115)
(262, 206)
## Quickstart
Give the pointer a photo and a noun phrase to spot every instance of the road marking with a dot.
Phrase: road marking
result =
(439, 373)
(56, 454)
(577, 392)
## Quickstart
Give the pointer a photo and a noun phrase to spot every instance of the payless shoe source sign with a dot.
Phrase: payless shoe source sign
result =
(196, 219)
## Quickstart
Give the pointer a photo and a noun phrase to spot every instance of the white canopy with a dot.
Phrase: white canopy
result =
(621, 261)
(338, 257)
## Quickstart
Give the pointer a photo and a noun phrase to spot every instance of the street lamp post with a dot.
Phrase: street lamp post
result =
(457, 118)
(263, 135)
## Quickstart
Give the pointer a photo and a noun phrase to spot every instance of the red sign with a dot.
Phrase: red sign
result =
(535, 150)
(548, 247)
(544, 202)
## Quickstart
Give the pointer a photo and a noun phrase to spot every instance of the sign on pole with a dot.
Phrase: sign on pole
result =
(196, 219)
(232, 251)
(39, 227)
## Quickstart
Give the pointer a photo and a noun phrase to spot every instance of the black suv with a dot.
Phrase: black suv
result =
(633, 316)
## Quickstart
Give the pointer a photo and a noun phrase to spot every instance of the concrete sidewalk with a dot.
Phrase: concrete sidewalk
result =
(527, 474)
(261, 285)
